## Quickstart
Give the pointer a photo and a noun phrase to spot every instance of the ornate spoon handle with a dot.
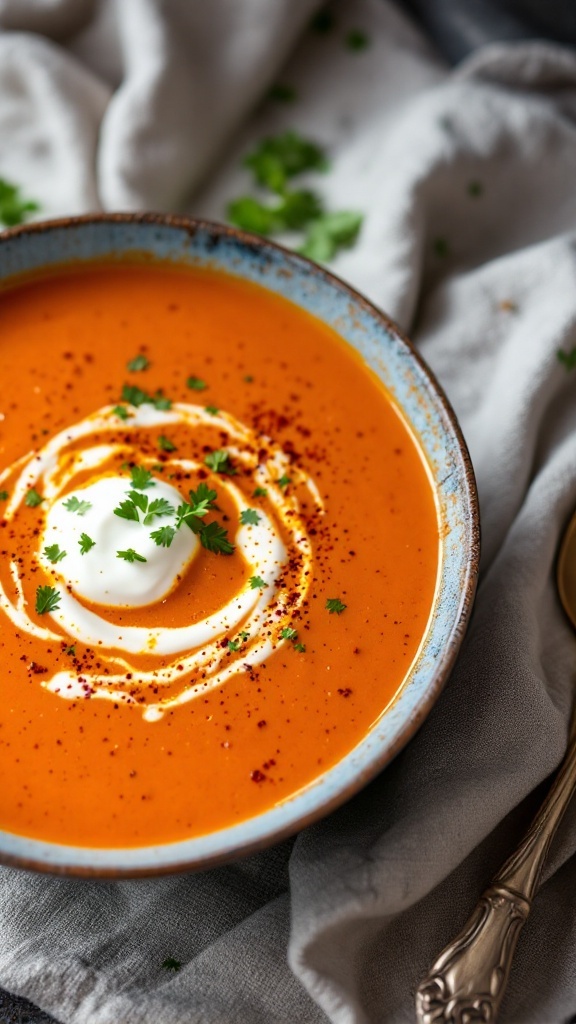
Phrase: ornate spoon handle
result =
(466, 983)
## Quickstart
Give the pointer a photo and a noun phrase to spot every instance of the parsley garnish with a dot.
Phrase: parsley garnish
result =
(568, 359)
(294, 211)
(301, 648)
(32, 498)
(196, 384)
(288, 633)
(121, 411)
(214, 538)
(249, 517)
(3, 495)
(260, 492)
(141, 478)
(219, 462)
(140, 362)
(127, 510)
(245, 635)
(257, 583)
(74, 504)
(136, 396)
(164, 536)
(85, 543)
(248, 379)
(158, 507)
(47, 599)
(234, 645)
(330, 233)
(131, 556)
(54, 553)
(284, 480)
(13, 208)
(357, 40)
(282, 93)
(335, 605)
(280, 157)
(71, 651)
(165, 444)
(170, 964)
(212, 410)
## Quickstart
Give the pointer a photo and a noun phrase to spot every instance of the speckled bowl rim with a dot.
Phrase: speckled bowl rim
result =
(374, 752)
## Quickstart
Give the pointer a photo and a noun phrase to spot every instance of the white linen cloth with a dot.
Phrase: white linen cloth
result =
(136, 104)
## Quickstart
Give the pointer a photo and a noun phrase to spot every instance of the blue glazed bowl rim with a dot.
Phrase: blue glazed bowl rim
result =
(346, 777)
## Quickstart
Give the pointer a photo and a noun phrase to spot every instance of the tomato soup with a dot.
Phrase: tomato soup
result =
(219, 546)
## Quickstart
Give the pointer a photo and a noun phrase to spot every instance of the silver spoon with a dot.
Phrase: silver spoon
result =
(467, 981)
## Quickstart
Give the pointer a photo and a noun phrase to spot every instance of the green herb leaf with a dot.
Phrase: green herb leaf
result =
(284, 480)
(568, 359)
(140, 362)
(131, 556)
(47, 599)
(249, 517)
(301, 648)
(288, 633)
(160, 401)
(196, 384)
(33, 499)
(249, 214)
(170, 964)
(244, 635)
(165, 444)
(330, 233)
(260, 492)
(13, 208)
(54, 553)
(3, 495)
(139, 500)
(248, 379)
(121, 411)
(214, 538)
(282, 93)
(212, 410)
(127, 510)
(159, 507)
(141, 478)
(234, 645)
(85, 543)
(219, 462)
(280, 157)
(136, 396)
(71, 651)
(441, 247)
(294, 211)
(75, 504)
(475, 189)
(334, 605)
(202, 499)
(257, 583)
(356, 39)
(164, 536)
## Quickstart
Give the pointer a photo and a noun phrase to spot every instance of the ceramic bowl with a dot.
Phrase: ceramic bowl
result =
(384, 348)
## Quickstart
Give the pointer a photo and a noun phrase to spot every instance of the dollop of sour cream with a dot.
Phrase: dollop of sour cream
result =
(100, 575)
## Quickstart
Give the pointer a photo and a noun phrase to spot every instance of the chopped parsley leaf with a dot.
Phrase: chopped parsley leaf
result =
(257, 583)
(141, 478)
(288, 633)
(295, 210)
(260, 492)
(568, 359)
(3, 495)
(281, 92)
(127, 510)
(164, 536)
(32, 498)
(54, 553)
(248, 379)
(335, 605)
(47, 599)
(136, 396)
(138, 499)
(244, 635)
(74, 504)
(249, 517)
(140, 362)
(13, 208)
(165, 444)
(170, 964)
(130, 555)
(219, 462)
(331, 232)
(121, 411)
(212, 410)
(196, 384)
(284, 480)
(301, 648)
(214, 538)
(159, 507)
(71, 651)
(356, 40)
(278, 158)
(86, 543)
(234, 645)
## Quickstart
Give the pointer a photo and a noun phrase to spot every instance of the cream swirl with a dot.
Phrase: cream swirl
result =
(159, 665)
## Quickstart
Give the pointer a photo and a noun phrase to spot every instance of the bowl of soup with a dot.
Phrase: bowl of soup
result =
(239, 543)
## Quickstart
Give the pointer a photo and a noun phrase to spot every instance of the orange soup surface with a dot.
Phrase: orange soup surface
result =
(218, 553)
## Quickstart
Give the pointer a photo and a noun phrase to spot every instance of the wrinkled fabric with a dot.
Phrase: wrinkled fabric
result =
(466, 180)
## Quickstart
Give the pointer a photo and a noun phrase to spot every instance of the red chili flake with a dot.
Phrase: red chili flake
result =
(257, 776)
(262, 723)
(345, 692)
